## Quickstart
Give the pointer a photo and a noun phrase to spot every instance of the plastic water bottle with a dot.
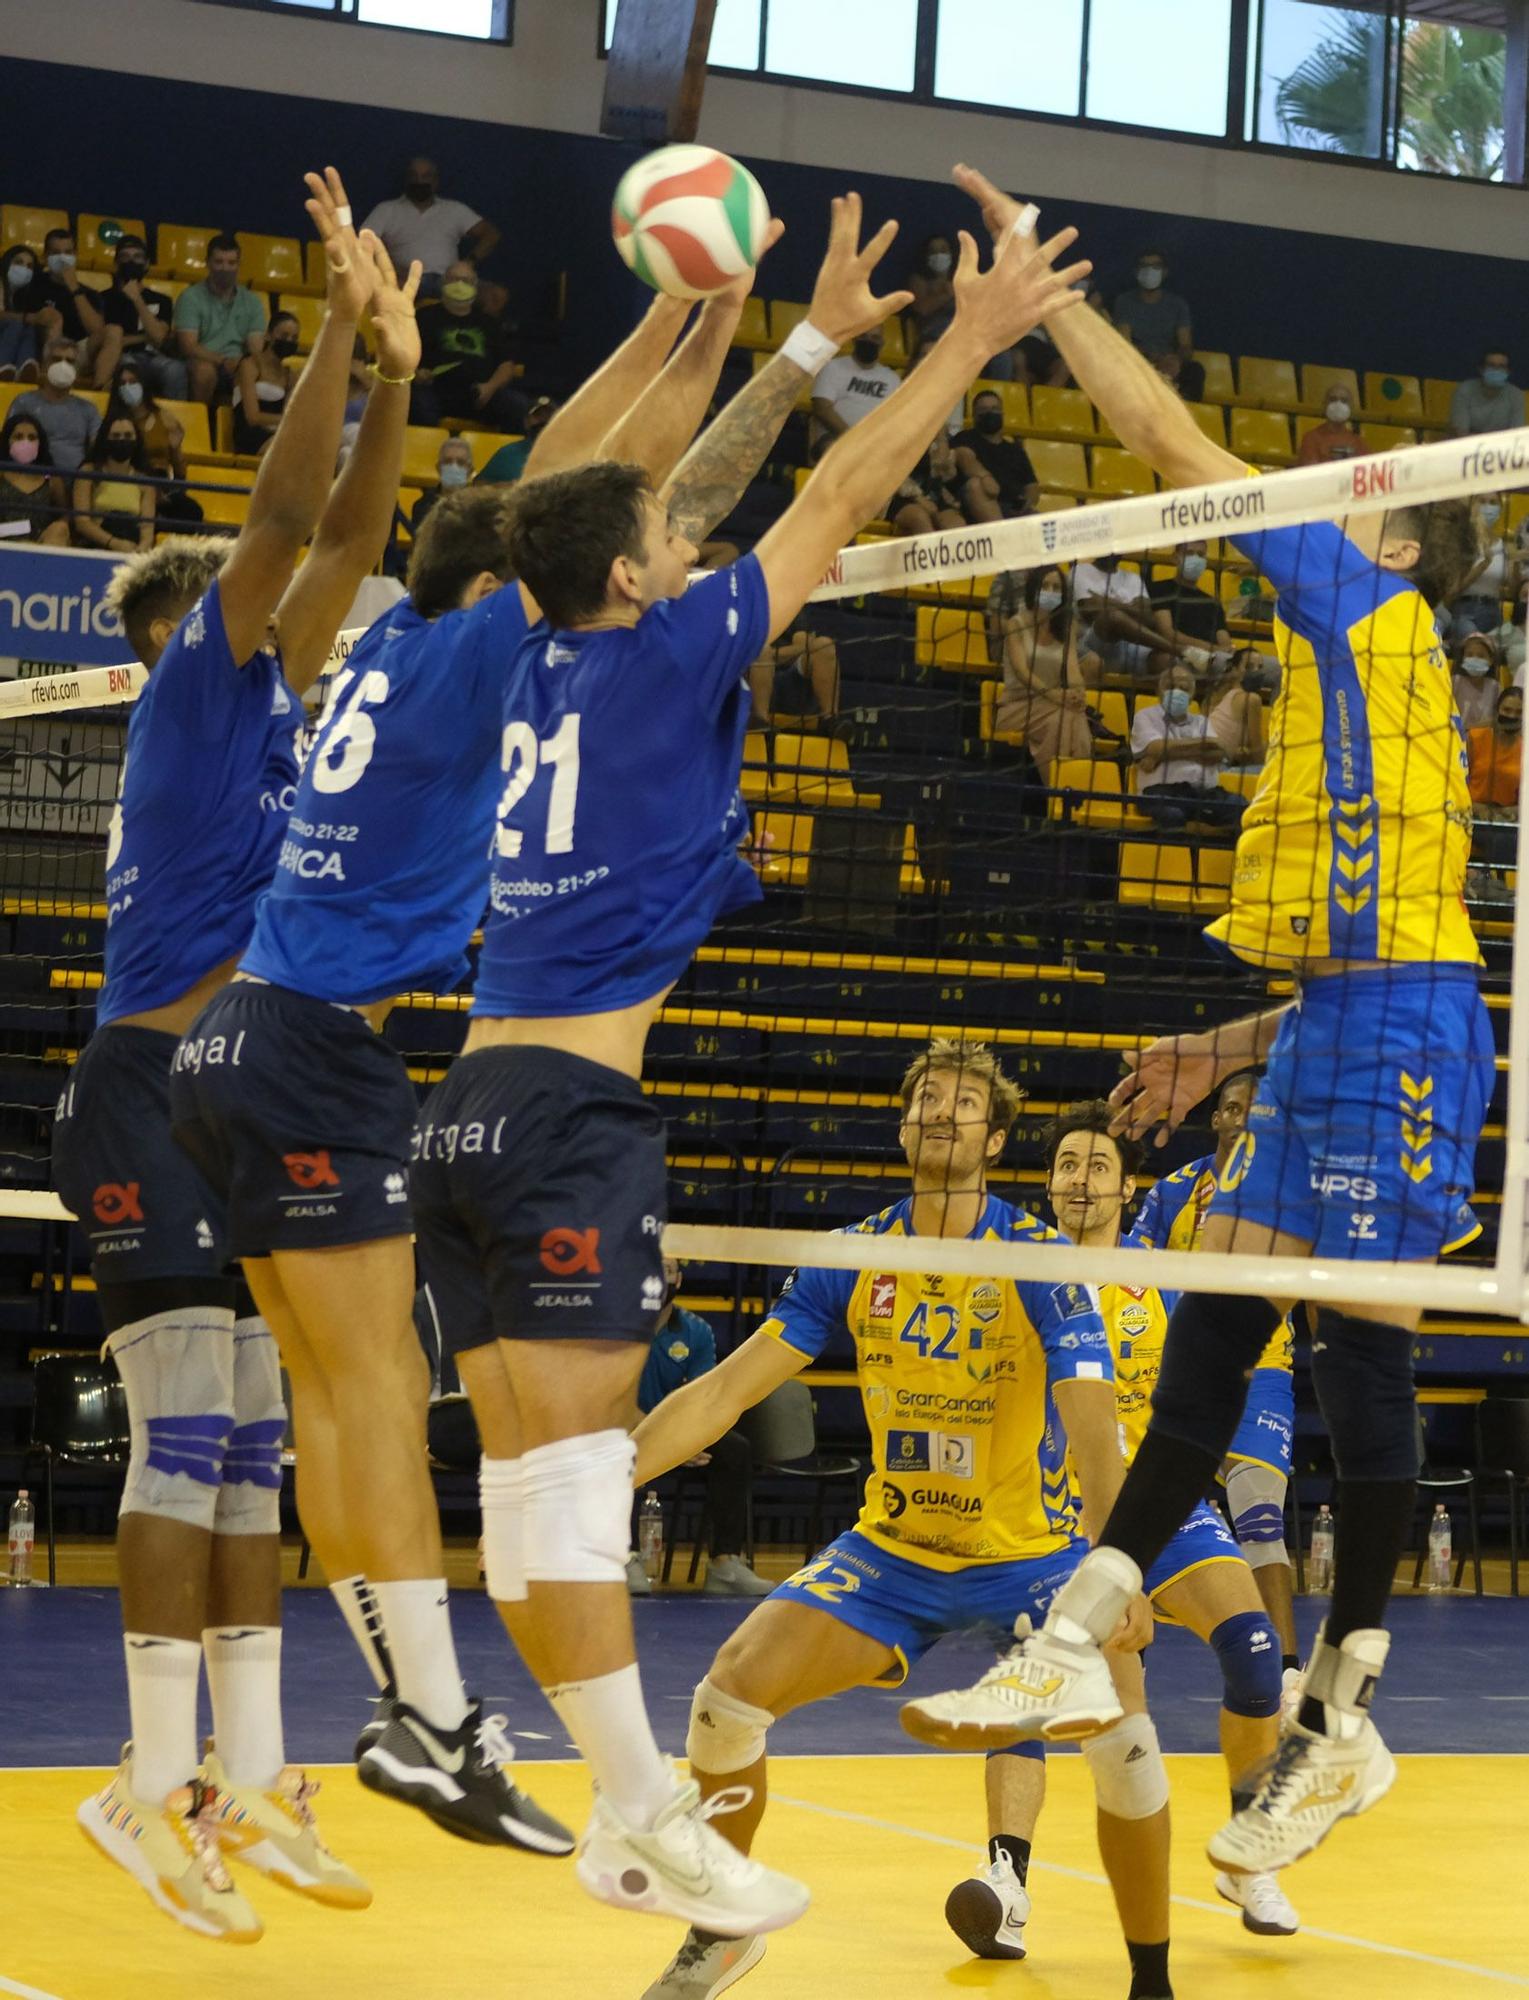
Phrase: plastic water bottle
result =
(1440, 1550)
(650, 1535)
(20, 1539)
(1322, 1550)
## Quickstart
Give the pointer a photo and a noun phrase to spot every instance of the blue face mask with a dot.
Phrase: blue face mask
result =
(1176, 704)
(1495, 378)
(454, 474)
(1194, 568)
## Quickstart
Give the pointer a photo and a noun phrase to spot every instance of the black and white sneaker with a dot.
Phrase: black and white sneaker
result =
(455, 1777)
(382, 1715)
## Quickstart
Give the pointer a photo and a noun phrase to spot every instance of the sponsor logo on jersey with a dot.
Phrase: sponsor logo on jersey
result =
(652, 1291)
(118, 1201)
(310, 1170)
(876, 1357)
(883, 1296)
(908, 1451)
(955, 1406)
(1133, 1320)
(985, 1304)
(543, 1299)
(1075, 1300)
(567, 1252)
(894, 1502)
(958, 1454)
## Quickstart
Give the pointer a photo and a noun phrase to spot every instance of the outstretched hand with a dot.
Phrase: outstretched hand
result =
(1164, 1083)
(843, 303)
(348, 273)
(735, 294)
(1000, 211)
(393, 321)
(1018, 290)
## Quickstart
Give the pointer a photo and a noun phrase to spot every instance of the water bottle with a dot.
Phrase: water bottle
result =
(20, 1538)
(650, 1535)
(1322, 1550)
(1440, 1552)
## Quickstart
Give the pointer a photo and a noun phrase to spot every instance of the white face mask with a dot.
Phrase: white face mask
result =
(62, 374)
(1194, 568)
(1490, 510)
(1149, 276)
(1474, 665)
(1048, 600)
(939, 262)
(1339, 412)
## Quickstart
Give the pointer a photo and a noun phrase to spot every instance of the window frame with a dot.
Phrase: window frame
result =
(342, 14)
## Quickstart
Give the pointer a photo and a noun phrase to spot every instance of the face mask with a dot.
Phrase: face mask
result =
(939, 262)
(24, 451)
(1048, 600)
(461, 291)
(454, 475)
(61, 374)
(1194, 568)
(1339, 413)
(131, 394)
(282, 348)
(989, 422)
(1490, 509)
(867, 352)
(119, 448)
(19, 276)
(1495, 378)
(419, 190)
(1149, 276)
(60, 262)
(1510, 724)
(1176, 704)
(1474, 665)
(134, 267)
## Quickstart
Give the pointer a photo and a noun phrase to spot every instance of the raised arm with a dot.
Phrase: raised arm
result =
(575, 434)
(297, 468)
(697, 1415)
(358, 516)
(1168, 1078)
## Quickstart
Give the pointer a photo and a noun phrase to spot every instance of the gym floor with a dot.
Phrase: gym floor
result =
(1422, 1897)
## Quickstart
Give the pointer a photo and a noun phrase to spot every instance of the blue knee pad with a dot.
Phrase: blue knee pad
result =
(1212, 1346)
(1250, 1664)
(1032, 1749)
(1362, 1373)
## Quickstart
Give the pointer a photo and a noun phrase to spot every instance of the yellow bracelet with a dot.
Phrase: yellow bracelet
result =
(392, 381)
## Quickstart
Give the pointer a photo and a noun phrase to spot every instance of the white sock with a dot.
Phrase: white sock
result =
(500, 1484)
(244, 1678)
(361, 1612)
(418, 1624)
(161, 1693)
(607, 1720)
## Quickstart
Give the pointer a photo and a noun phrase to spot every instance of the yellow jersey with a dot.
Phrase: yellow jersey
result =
(1171, 1218)
(1136, 1325)
(1356, 841)
(968, 1454)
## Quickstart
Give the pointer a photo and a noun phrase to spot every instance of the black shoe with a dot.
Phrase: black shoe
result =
(382, 1715)
(455, 1777)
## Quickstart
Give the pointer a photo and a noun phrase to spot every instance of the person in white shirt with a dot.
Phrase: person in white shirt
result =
(850, 387)
(1178, 758)
(1118, 616)
(419, 227)
(1497, 576)
(1476, 682)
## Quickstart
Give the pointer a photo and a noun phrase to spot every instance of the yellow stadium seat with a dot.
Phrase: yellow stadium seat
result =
(1052, 503)
(811, 770)
(894, 344)
(21, 223)
(483, 445)
(1118, 471)
(1212, 420)
(1161, 877)
(1267, 385)
(803, 395)
(309, 314)
(1016, 403)
(910, 881)
(1387, 437)
(93, 253)
(1061, 413)
(229, 509)
(1262, 436)
(9, 391)
(1099, 781)
(1393, 399)
(1219, 386)
(421, 444)
(755, 779)
(1243, 781)
(784, 315)
(1437, 397)
(1063, 466)
(788, 838)
(1317, 380)
(269, 263)
(315, 267)
(1111, 704)
(408, 499)
(948, 638)
(95, 281)
(753, 324)
(991, 733)
(181, 249)
(192, 418)
(1213, 877)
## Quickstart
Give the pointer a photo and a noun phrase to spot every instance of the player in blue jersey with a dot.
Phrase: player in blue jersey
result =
(1256, 1469)
(230, 638)
(541, 1175)
(1350, 875)
(982, 1398)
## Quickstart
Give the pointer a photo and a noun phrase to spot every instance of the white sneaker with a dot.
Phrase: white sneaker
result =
(1265, 1907)
(171, 1851)
(1292, 1683)
(988, 1912)
(275, 1831)
(1045, 1688)
(700, 1971)
(1312, 1782)
(681, 1867)
(730, 1576)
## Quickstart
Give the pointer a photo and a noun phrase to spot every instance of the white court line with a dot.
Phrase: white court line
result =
(25, 1992)
(1184, 1902)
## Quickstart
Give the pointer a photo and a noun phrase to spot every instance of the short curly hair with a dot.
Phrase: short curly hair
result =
(163, 582)
(1092, 1114)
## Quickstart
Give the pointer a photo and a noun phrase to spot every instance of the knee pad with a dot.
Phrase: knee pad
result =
(1362, 1373)
(725, 1734)
(1249, 1654)
(249, 1500)
(1213, 1344)
(501, 1494)
(577, 1496)
(1130, 1781)
(1255, 1495)
(178, 1371)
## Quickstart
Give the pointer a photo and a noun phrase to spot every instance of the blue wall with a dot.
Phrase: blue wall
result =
(94, 140)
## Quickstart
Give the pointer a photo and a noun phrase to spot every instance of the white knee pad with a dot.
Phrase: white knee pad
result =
(249, 1500)
(577, 1497)
(1130, 1781)
(1255, 1496)
(726, 1734)
(501, 1494)
(178, 1371)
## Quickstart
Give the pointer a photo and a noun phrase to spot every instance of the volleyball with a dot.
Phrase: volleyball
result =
(689, 220)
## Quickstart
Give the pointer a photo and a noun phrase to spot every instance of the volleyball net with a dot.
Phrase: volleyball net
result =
(960, 843)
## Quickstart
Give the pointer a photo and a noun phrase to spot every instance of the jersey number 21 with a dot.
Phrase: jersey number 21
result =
(520, 755)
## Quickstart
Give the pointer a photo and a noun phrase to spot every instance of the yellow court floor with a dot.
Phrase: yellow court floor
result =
(1427, 1896)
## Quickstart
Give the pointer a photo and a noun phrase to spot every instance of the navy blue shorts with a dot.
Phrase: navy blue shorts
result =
(146, 1210)
(299, 1115)
(540, 1195)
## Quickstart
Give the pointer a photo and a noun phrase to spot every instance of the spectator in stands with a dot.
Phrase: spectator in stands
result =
(997, 479)
(67, 421)
(465, 367)
(934, 296)
(1118, 620)
(23, 320)
(1497, 576)
(1185, 378)
(1511, 633)
(145, 319)
(1044, 675)
(418, 224)
(1476, 682)
(1238, 690)
(850, 387)
(1487, 401)
(28, 491)
(1190, 619)
(163, 438)
(1337, 436)
(217, 322)
(810, 663)
(262, 384)
(684, 1347)
(509, 461)
(114, 497)
(454, 469)
(930, 497)
(1496, 754)
(1155, 320)
(1178, 760)
(97, 345)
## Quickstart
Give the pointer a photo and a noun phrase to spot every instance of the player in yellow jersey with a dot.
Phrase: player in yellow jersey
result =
(1256, 1469)
(974, 1392)
(1350, 874)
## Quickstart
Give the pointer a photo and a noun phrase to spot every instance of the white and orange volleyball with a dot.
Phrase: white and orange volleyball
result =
(689, 220)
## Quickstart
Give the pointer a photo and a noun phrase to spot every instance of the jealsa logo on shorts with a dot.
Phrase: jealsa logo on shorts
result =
(565, 1252)
(117, 1202)
(310, 1171)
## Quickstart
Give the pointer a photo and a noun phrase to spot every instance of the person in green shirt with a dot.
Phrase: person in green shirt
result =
(509, 461)
(216, 322)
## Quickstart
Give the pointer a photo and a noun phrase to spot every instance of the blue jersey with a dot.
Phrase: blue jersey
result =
(208, 778)
(384, 869)
(617, 843)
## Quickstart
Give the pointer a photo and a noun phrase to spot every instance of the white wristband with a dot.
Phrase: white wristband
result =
(809, 347)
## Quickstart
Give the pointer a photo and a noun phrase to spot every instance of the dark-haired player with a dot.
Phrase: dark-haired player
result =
(1350, 874)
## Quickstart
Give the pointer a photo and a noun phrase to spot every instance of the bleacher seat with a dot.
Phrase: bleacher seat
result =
(1062, 466)
(1113, 713)
(810, 771)
(1316, 380)
(192, 418)
(94, 255)
(789, 845)
(1061, 413)
(1212, 420)
(229, 509)
(1219, 386)
(784, 315)
(1263, 436)
(894, 344)
(1266, 385)
(180, 250)
(754, 782)
(315, 268)
(945, 637)
(1213, 876)
(1098, 781)
(1437, 397)
(1387, 437)
(1393, 399)
(1014, 397)
(1162, 877)
(20, 222)
(309, 314)
(990, 731)
(753, 324)
(1115, 470)
(269, 263)
(422, 442)
(483, 445)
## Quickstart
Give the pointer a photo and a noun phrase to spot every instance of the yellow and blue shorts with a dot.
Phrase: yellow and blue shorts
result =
(1361, 1140)
(1267, 1431)
(1204, 1538)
